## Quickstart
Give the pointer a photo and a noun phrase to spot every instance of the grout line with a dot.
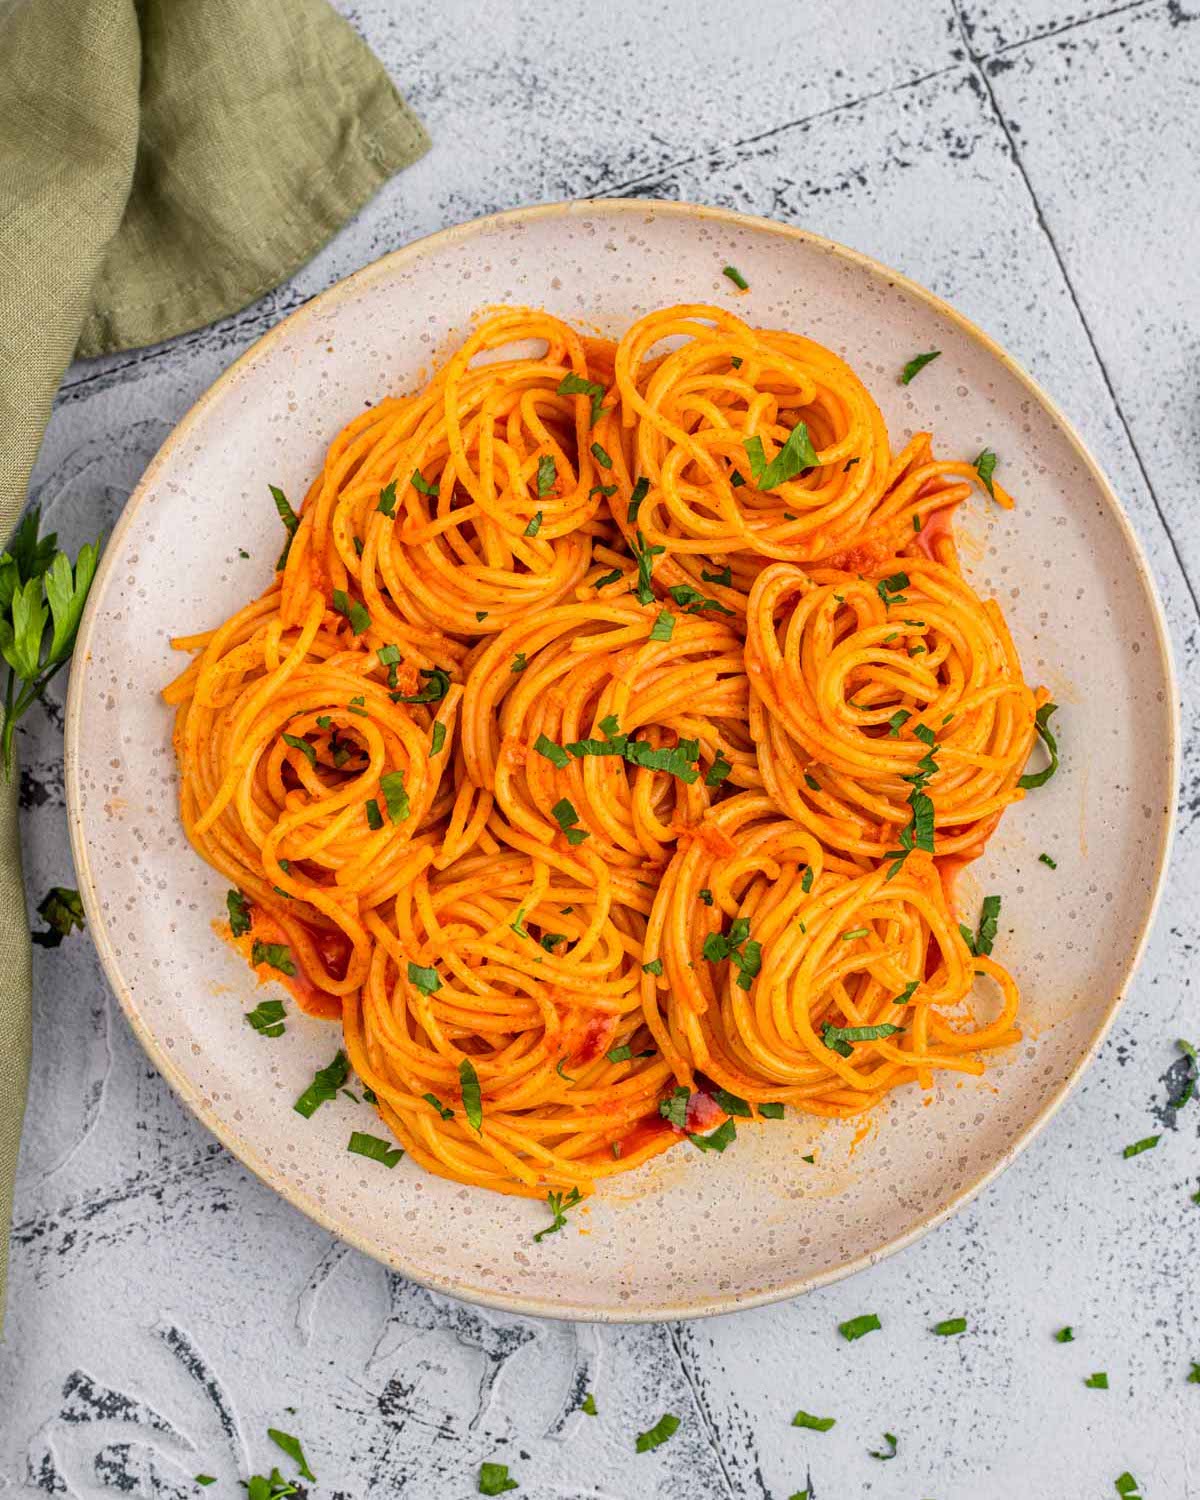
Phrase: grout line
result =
(752, 140)
(1046, 36)
(1070, 286)
(710, 1434)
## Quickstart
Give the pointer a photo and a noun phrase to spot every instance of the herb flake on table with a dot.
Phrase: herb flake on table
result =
(917, 364)
(857, 1328)
(950, 1326)
(494, 1479)
(62, 911)
(813, 1424)
(291, 1446)
(666, 1427)
(1147, 1143)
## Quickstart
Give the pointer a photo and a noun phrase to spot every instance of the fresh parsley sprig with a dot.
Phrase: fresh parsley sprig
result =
(41, 604)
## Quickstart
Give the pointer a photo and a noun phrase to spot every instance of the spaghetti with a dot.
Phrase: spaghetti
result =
(603, 748)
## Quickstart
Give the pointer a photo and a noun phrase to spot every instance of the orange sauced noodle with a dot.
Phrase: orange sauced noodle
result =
(601, 751)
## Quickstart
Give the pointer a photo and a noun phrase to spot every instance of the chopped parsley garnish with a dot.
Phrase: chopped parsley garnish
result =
(724, 578)
(291, 1446)
(389, 657)
(1127, 1486)
(205, 1478)
(307, 750)
(718, 771)
(900, 717)
(361, 1143)
(644, 554)
(1045, 859)
(890, 1439)
(324, 1087)
(374, 816)
(674, 1107)
(352, 610)
(239, 913)
(664, 1428)
(588, 1405)
(1148, 1143)
(387, 500)
(950, 1326)
(640, 490)
(355, 706)
(519, 663)
(494, 1480)
(857, 1328)
(442, 1109)
(737, 946)
(601, 457)
(731, 1104)
(273, 1487)
(849, 464)
(1194, 1374)
(663, 627)
(655, 966)
(1046, 734)
(841, 1039)
(796, 455)
(267, 1017)
(983, 941)
(291, 522)
(427, 981)
(736, 480)
(395, 795)
(558, 1068)
(558, 1203)
(1097, 1382)
(693, 602)
(917, 364)
(1065, 1335)
(547, 473)
(535, 525)
(481, 614)
(437, 685)
(275, 955)
(890, 590)
(717, 1139)
(705, 895)
(575, 385)
(985, 467)
(857, 932)
(471, 1097)
(439, 738)
(421, 484)
(771, 1110)
(614, 577)
(555, 754)
(814, 1424)
(738, 280)
(564, 814)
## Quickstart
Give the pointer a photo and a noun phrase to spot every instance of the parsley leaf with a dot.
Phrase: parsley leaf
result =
(352, 610)
(564, 814)
(421, 485)
(472, 1097)
(693, 602)
(361, 1143)
(575, 385)
(737, 278)
(276, 955)
(1148, 1143)
(442, 1109)
(291, 522)
(601, 457)
(985, 467)
(494, 1480)
(291, 1446)
(857, 1328)
(267, 1017)
(558, 1203)
(663, 627)
(890, 1439)
(426, 980)
(439, 738)
(547, 473)
(640, 490)
(1097, 1382)
(588, 1405)
(1065, 1335)
(437, 685)
(674, 1107)
(949, 1326)
(555, 754)
(717, 1139)
(395, 795)
(664, 1428)
(62, 910)
(308, 751)
(917, 364)
(724, 578)
(796, 455)
(644, 554)
(841, 1039)
(814, 1424)
(1046, 734)
(535, 525)
(239, 913)
(324, 1087)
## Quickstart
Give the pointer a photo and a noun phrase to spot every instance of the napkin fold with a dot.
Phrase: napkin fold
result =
(162, 164)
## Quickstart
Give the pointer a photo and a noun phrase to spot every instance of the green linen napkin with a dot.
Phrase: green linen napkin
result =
(162, 164)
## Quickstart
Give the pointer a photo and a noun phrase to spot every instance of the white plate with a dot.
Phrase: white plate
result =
(689, 1233)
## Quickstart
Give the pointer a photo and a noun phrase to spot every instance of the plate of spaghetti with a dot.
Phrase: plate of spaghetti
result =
(615, 710)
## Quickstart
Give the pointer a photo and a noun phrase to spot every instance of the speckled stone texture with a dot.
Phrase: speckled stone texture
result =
(1032, 161)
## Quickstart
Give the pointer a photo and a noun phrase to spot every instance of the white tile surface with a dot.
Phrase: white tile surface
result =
(1032, 161)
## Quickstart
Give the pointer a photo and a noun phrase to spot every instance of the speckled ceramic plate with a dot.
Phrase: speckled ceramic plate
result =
(661, 1242)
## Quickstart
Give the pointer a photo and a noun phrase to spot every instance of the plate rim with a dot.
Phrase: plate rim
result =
(242, 1148)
